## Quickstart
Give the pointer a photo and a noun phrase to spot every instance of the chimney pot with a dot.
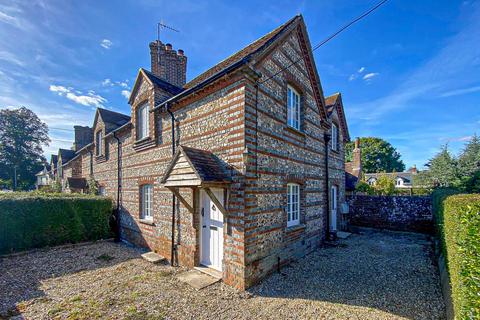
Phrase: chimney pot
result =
(167, 64)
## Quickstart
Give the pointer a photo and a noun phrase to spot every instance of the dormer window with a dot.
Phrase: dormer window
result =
(293, 108)
(99, 143)
(334, 137)
(142, 122)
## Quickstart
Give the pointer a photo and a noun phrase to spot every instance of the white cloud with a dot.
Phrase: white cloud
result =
(59, 89)
(126, 93)
(460, 91)
(123, 84)
(107, 83)
(105, 43)
(8, 57)
(370, 75)
(355, 75)
(90, 99)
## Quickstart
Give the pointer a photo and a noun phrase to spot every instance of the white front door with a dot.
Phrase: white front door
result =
(211, 222)
(333, 204)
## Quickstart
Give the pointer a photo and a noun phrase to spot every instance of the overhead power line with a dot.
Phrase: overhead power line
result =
(360, 17)
(63, 129)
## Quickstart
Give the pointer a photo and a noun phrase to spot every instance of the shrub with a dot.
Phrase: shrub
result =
(458, 218)
(362, 186)
(385, 185)
(34, 220)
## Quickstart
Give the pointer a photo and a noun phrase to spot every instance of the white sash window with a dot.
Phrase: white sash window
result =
(293, 204)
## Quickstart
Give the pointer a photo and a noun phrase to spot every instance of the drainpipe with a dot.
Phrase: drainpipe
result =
(172, 116)
(327, 138)
(119, 187)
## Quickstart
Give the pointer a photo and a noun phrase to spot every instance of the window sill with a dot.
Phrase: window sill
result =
(143, 144)
(295, 131)
(142, 140)
(297, 227)
(147, 221)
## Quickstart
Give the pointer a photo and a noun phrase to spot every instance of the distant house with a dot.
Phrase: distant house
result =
(44, 177)
(402, 179)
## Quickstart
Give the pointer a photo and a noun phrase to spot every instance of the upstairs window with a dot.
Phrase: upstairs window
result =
(334, 137)
(293, 204)
(146, 201)
(142, 122)
(293, 108)
(99, 143)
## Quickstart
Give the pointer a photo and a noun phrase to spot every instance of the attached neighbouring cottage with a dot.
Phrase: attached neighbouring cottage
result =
(239, 170)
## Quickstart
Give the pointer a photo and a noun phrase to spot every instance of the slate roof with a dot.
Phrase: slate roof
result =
(77, 183)
(112, 117)
(330, 102)
(406, 176)
(350, 181)
(248, 51)
(204, 163)
(162, 83)
(66, 155)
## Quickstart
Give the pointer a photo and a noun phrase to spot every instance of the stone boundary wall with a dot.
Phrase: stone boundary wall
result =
(401, 213)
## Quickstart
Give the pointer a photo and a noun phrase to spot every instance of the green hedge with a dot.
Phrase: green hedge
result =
(34, 220)
(458, 217)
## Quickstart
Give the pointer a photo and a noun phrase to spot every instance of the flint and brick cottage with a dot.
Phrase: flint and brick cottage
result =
(240, 169)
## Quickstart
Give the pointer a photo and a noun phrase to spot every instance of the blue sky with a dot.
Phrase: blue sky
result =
(409, 73)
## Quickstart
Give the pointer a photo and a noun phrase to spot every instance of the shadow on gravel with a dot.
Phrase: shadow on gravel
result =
(392, 272)
(21, 275)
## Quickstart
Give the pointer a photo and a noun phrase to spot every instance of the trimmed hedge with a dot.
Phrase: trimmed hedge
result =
(34, 220)
(458, 217)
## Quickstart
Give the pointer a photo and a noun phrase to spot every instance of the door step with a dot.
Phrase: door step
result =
(211, 272)
(152, 257)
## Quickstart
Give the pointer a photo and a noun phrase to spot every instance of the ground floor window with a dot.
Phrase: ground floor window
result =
(146, 201)
(293, 204)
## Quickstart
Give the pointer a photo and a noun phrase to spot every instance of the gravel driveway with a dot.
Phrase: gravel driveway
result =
(374, 275)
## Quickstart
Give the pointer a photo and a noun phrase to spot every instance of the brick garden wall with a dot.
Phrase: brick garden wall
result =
(402, 213)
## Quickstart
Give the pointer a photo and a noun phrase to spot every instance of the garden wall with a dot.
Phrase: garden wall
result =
(33, 221)
(401, 213)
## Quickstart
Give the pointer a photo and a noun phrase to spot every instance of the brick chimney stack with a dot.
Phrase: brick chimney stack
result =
(168, 64)
(83, 136)
(413, 169)
(357, 159)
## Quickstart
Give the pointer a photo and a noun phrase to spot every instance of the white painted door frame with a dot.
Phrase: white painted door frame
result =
(211, 230)
(333, 206)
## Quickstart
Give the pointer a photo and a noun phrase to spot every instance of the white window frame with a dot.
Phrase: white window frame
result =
(293, 108)
(99, 142)
(399, 182)
(143, 123)
(101, 191)
(334, 137)
(146, 202)
(293, 204)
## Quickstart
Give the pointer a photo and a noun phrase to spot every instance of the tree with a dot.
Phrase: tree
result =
(22, 135)
(378, 155)
(385, 185)
(442, 170)
(469, 159)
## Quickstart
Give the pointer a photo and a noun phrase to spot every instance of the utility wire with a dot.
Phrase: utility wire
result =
(360, 17)
(53, 128)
